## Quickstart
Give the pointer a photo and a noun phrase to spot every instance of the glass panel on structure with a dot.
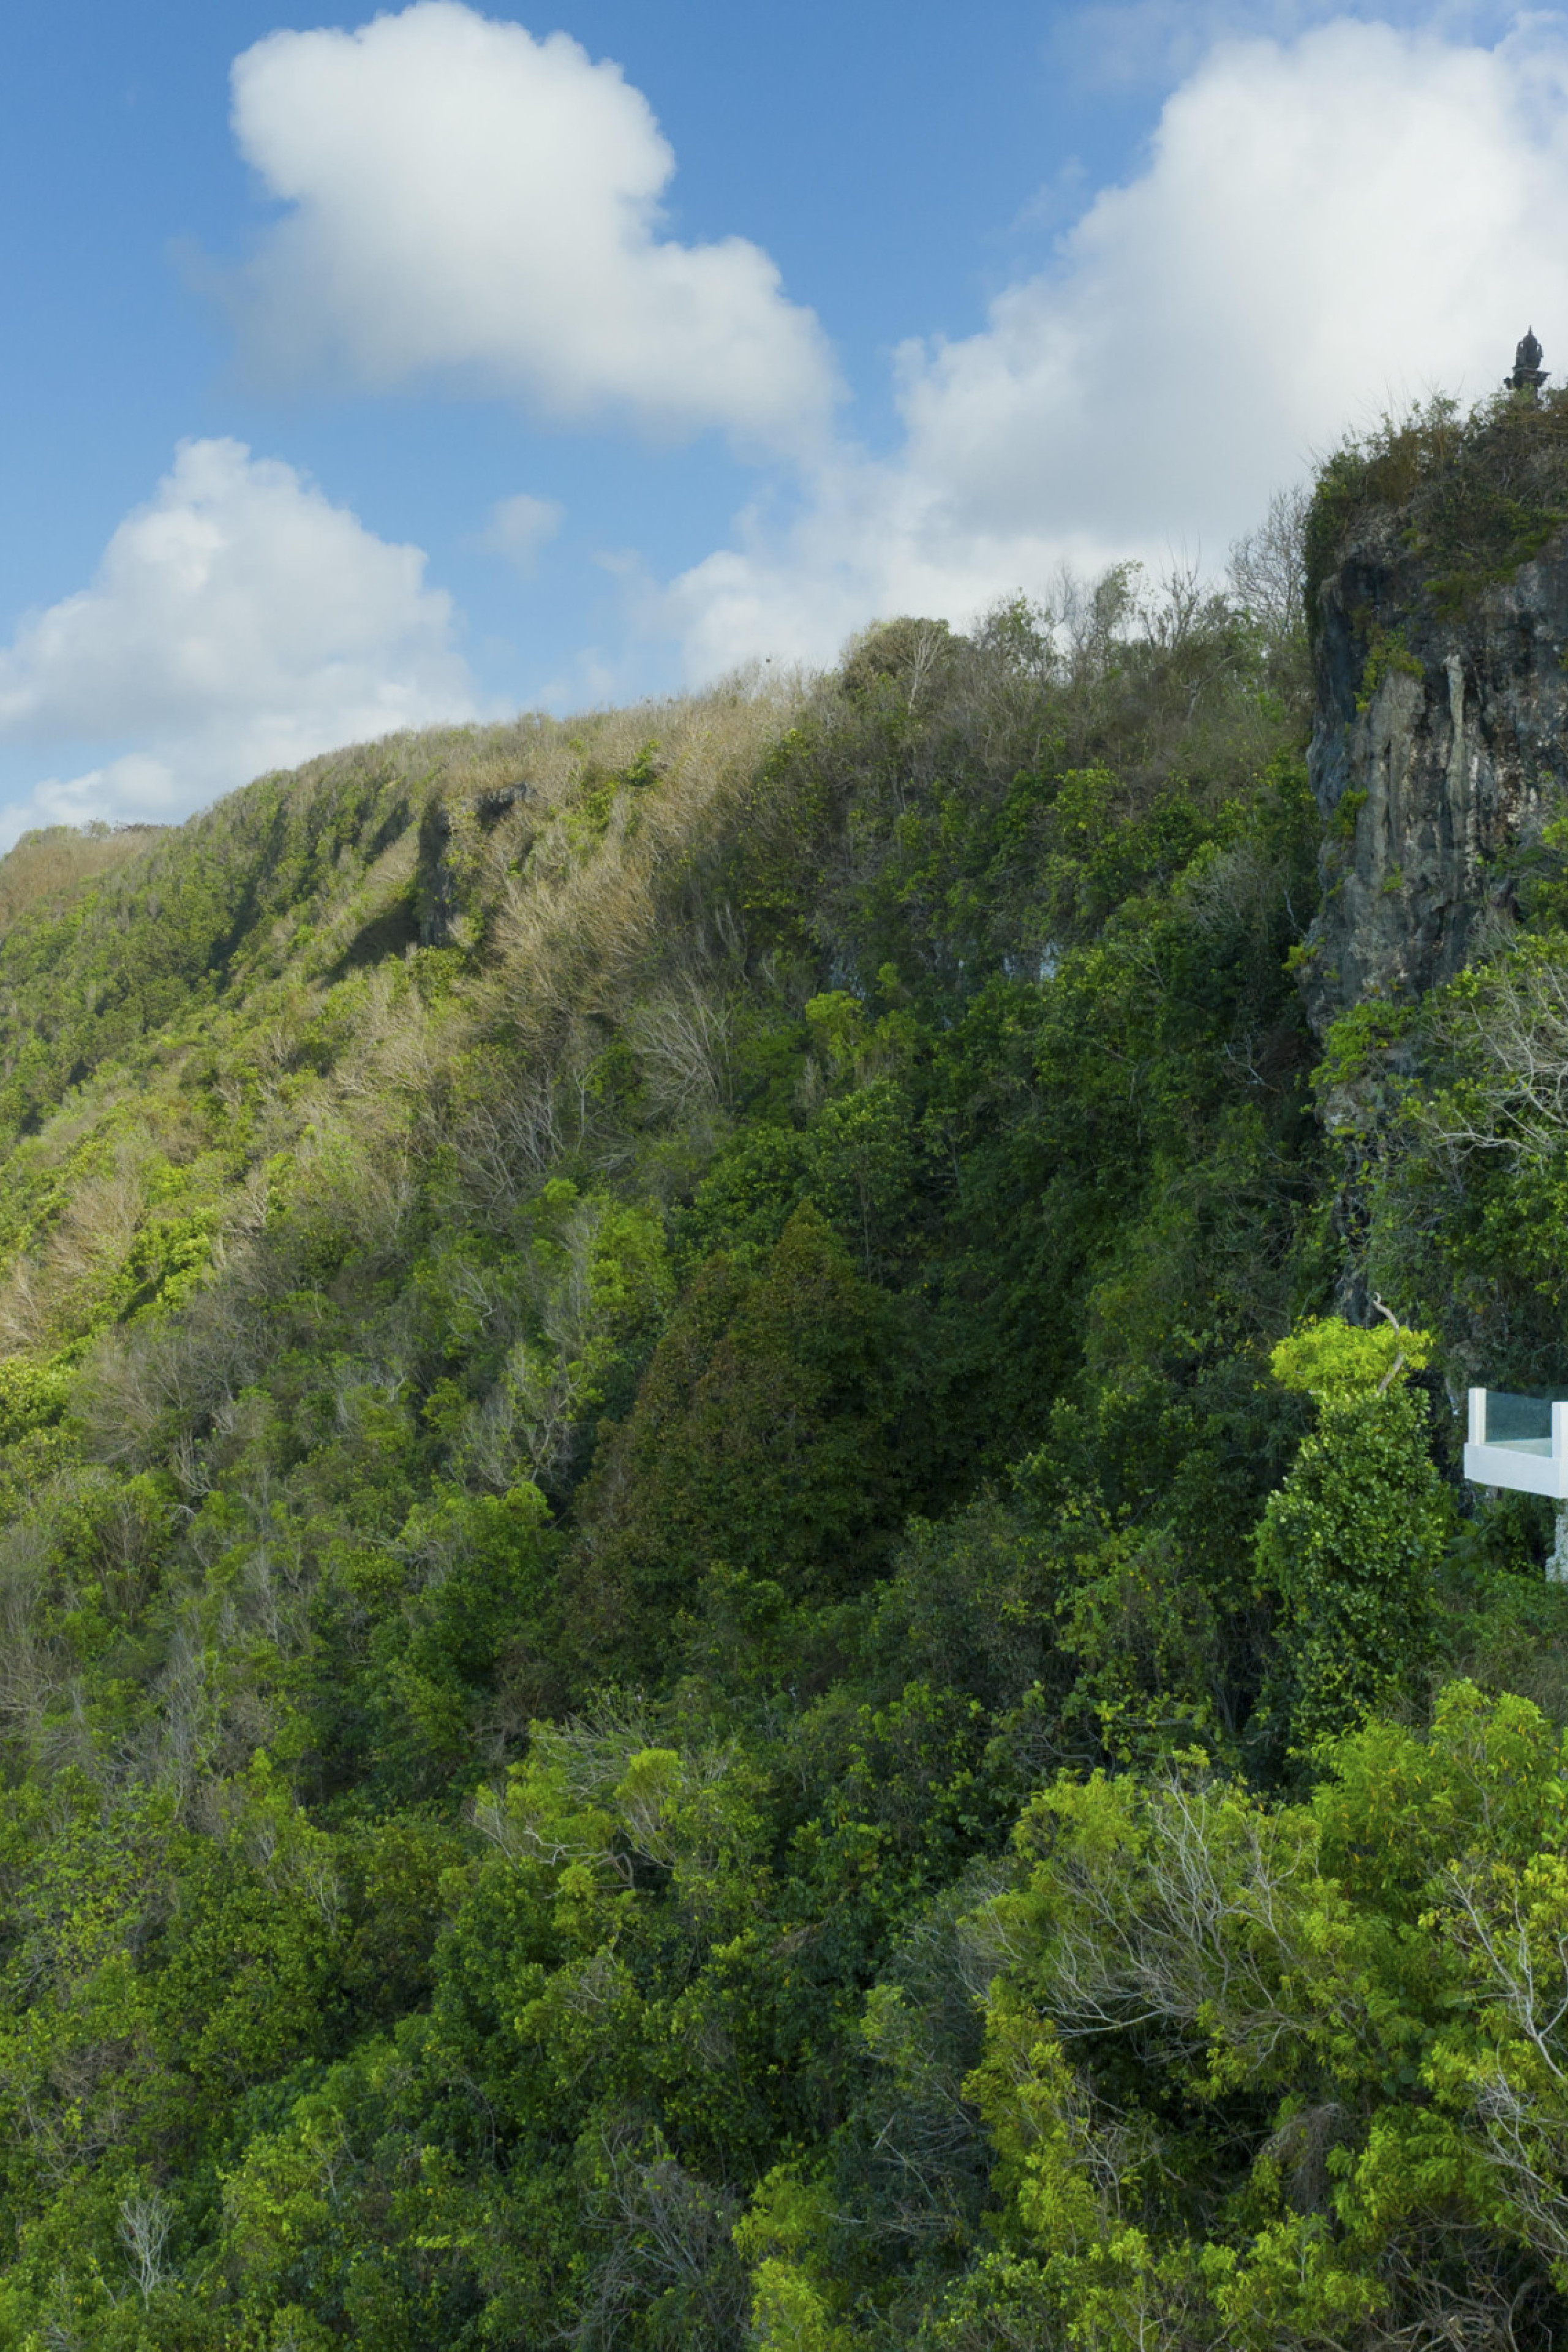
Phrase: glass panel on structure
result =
(1522, 1419)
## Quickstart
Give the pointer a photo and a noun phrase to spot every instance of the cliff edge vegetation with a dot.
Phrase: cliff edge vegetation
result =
(710, 1639)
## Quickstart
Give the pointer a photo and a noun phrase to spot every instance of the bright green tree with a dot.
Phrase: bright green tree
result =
(1349, 1544)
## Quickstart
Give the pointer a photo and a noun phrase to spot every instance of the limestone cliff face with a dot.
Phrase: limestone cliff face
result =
(1438, 743)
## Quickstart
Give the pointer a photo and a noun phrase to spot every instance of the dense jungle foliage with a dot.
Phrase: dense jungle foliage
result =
(709, 1638)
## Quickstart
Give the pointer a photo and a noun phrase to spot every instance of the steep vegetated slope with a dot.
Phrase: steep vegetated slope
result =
(688, 1659)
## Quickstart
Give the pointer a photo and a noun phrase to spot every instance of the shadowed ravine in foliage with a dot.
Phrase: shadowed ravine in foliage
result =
(708, 1641)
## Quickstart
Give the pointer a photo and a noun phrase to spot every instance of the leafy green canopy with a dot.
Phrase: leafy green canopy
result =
(1457, 501)
(1353, 1541)
(647, 1543)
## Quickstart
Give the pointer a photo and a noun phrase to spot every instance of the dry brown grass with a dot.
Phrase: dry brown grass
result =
(577, 929)
(49, 868)
(574, 886)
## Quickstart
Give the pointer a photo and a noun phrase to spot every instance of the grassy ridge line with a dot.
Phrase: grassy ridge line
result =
(202, 1008)
(55, 864)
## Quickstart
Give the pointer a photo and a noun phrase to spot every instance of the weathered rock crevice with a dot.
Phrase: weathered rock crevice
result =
(1441, 743)
(454, 837)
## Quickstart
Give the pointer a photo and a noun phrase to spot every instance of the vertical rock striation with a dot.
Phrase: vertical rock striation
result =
(1441, 739)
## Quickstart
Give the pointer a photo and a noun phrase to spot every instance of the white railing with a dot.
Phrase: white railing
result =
(1519, 1442)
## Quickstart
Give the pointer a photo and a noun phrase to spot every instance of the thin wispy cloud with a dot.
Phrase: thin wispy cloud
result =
(520, 527)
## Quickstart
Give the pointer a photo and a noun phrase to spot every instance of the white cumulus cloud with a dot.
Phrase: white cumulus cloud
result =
(469, 202)
(1326, 226)
(238, 622)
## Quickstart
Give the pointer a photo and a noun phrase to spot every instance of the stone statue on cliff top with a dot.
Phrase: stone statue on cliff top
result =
(1527, 373)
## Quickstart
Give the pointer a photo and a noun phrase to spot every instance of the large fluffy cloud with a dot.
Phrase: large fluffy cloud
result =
(238, 622)
(467, 201)
(1325, 228)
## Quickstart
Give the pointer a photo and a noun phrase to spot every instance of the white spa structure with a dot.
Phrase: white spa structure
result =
(1519, 1440)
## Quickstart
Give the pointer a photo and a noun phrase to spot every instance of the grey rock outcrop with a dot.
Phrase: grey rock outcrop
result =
(453, 836)
(1439, 742)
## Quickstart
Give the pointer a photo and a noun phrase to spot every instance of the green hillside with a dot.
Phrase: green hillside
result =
(708, 1638)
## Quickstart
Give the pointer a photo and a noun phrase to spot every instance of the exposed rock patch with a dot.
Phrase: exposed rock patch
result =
(1440, 742)
(453, 836)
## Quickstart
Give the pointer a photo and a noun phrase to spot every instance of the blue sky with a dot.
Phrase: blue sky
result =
(364, 370)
